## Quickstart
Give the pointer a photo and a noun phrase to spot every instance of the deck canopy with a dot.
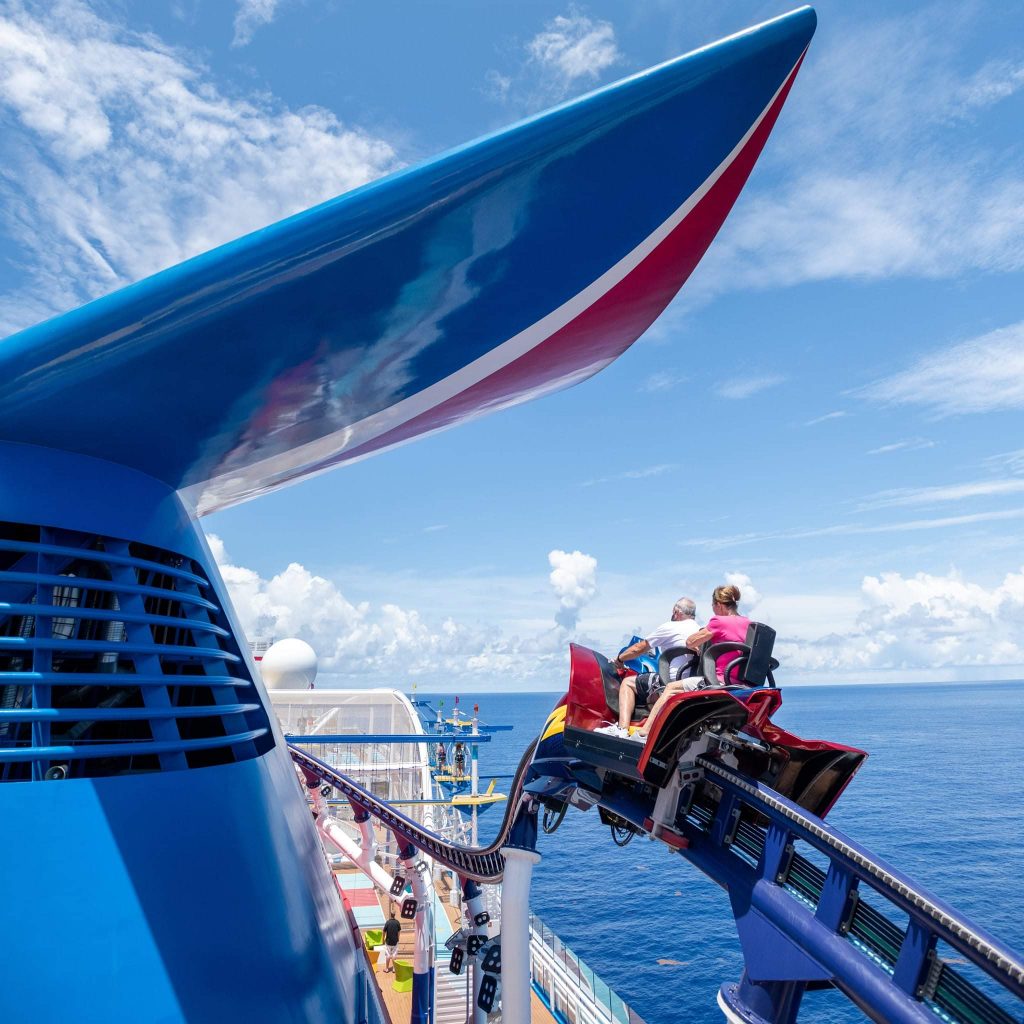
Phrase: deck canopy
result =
(510, 267)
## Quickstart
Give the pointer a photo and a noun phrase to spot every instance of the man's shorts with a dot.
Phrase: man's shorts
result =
(648, 687)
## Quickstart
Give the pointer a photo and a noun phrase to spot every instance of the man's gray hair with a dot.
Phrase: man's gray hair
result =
(686, 607)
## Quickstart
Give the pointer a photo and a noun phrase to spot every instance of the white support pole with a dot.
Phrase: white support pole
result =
(417, 871)
(515, 934)
(474, 786)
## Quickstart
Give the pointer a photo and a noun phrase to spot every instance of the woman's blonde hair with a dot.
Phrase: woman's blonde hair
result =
(728, 595)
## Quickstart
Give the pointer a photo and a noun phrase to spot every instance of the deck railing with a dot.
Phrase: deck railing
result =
(573, 992)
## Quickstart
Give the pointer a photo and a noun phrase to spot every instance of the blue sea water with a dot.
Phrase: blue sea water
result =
(941, 797)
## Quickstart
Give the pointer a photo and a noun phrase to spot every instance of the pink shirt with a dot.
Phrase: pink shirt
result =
(732, 628)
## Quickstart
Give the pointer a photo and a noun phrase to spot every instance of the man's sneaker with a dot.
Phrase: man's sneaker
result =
(634, 736)
(611, 730)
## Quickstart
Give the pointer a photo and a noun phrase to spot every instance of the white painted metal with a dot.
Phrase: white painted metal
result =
(515, 934)
(730, 1016)
(332, 830)
(418, 873)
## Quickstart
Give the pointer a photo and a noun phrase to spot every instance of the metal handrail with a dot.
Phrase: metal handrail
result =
(482, 864)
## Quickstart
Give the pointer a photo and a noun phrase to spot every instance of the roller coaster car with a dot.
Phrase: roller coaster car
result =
(730, 722)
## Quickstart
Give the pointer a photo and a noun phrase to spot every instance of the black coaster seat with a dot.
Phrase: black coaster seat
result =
(754, 666)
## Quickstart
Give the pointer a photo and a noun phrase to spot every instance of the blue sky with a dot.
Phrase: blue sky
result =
(830, 412)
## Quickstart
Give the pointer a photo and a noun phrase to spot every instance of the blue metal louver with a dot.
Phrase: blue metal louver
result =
(115, 658)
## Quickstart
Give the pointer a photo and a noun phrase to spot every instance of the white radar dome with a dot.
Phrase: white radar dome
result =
(289, 665)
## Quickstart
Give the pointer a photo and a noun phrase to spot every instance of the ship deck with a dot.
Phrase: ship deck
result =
(360, 903)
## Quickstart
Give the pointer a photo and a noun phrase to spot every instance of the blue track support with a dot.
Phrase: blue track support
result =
(798, 925)
(801, 926)
(422, 986)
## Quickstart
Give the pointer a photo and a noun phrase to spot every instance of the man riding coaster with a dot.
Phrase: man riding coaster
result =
(648, 688)
(726, 624)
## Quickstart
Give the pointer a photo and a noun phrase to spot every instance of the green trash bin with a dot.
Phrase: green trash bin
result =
(403, 976)
(373, 937)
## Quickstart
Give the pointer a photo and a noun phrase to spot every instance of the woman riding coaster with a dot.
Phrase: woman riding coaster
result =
(725, 625)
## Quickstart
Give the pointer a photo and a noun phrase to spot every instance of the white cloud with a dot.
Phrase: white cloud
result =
(918, 625)
(882, 169)
(750, 596)
(364, 643)
(905, 496)
(574, 579)
(571, 50)
(574, 46)
(984, 374)
(1010, 462)
(855, 529)
(663, 380)
(837, 415)
(250, 16)
(996, 81)
(923, 622)
(912, 444)
(633, 474)
(740, 388)
(122, 157)
(498, 85)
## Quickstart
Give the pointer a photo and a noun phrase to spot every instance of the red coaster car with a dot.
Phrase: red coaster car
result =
(730, 721)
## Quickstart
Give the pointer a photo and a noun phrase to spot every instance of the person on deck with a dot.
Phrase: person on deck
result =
(392, 930)
(646, 687)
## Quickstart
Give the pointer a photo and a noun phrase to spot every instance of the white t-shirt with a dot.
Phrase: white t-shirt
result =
(674, 634)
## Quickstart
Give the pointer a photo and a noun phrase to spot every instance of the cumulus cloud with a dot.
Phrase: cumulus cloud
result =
(574, 579)
(984, 374)
(250, 16)
(750, 596)
(573, 46)
(363, 643)
(572, 50)
(922, 622)
(122, 156)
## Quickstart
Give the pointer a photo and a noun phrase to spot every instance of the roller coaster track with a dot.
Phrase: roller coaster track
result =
(744, 836)
(949, 927)
(482, 864)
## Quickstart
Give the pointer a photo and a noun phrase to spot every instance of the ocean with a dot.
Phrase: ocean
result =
(941, 797)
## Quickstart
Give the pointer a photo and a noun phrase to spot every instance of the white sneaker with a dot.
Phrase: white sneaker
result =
(634, 736)
(611, 730)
